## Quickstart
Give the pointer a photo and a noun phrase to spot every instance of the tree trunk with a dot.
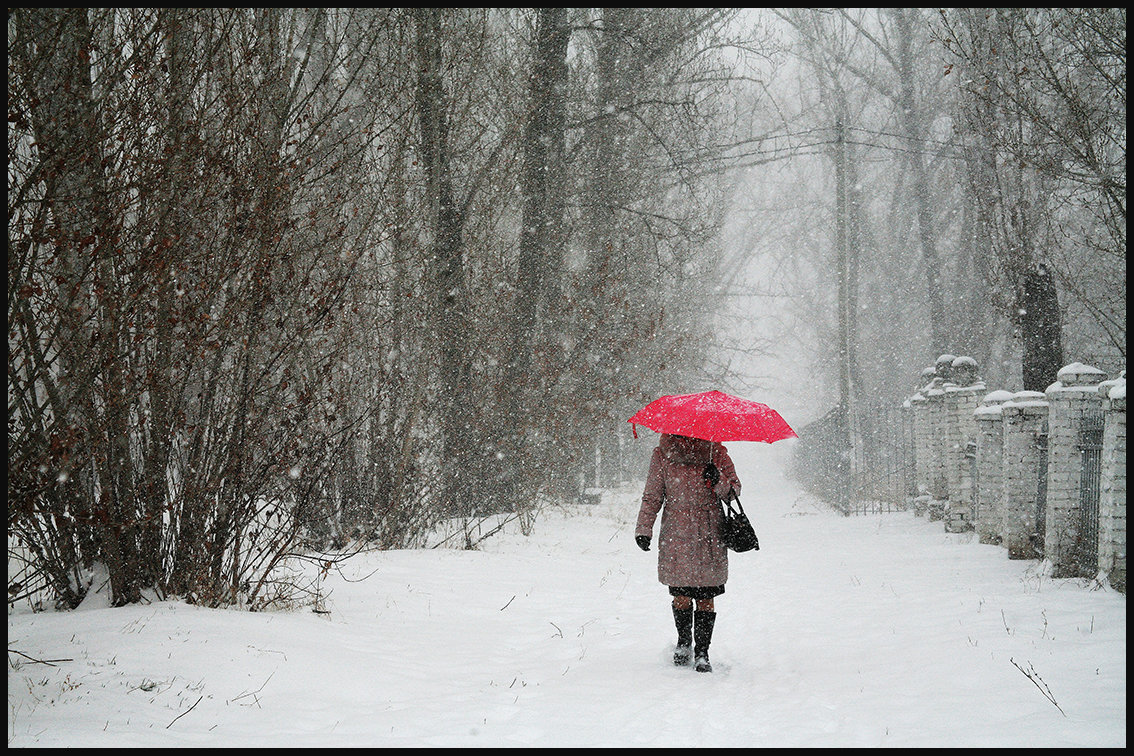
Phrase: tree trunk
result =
(166, 248)
(846, 270)
(914, 127)
(609, 276)
(446, 268)
(1040, 329)
(541, 244)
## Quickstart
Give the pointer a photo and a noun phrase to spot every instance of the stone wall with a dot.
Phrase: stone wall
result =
(922, 433)
(936, 484)
(1010, 466)
(943, 428)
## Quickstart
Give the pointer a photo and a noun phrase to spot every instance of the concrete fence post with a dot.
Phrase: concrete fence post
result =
(989, 515)
(960, 429)
(1071, 531)
(1112, 501)
(1025, 448)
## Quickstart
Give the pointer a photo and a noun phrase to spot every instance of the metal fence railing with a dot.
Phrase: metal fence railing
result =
(1039, 531)
(859, 465)
(1090, 483)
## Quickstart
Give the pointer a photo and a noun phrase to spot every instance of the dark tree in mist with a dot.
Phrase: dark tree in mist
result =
(1040, 329)
(446, 257)
(533, 357)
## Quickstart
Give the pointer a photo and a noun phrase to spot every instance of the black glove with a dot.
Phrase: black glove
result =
(643, 542)
(711, 475)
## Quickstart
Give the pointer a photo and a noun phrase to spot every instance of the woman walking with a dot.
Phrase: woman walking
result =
(685, 478)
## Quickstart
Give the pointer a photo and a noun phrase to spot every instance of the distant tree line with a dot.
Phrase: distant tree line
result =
(280, 279)
(956, 184)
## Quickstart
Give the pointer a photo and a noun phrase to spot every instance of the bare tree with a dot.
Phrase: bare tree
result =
(1043, 114)
(284, 280)
(178, 328)
(534, 322)
(649, 209)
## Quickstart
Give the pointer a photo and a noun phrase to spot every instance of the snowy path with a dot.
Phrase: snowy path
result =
(863, 631)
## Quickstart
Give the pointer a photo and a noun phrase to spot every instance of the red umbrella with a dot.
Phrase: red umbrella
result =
(713, 416)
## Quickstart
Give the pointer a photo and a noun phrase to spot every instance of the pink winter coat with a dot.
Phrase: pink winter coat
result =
(690, 552)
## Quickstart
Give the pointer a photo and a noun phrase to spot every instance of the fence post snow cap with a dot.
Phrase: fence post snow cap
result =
(1078, 374)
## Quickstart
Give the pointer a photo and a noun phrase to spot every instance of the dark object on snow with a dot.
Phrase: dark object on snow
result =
(737, 532)
(683, 618)
(643, 542)
(703, 623)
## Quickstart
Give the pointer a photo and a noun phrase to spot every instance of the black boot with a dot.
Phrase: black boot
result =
(703, 633)
(683, 618)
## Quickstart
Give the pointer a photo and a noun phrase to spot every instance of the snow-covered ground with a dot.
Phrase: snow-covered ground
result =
(877, 630)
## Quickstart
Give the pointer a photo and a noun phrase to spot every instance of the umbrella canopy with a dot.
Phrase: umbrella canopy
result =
(713, 416)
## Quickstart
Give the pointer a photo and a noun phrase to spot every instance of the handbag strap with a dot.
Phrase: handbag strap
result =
(726, 502)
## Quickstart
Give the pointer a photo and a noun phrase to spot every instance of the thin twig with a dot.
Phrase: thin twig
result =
(254, 692)
(33, 660)
(1034, 676)
(179, 716)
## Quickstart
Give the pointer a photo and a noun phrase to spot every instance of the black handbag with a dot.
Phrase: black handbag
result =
(737, 532)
